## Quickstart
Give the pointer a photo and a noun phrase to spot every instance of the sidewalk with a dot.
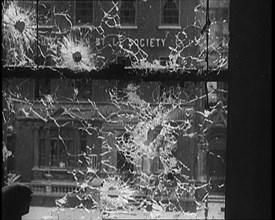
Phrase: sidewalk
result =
(46, 213)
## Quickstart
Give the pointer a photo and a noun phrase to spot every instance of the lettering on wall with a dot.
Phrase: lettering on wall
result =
(141, 42)
(150, 42)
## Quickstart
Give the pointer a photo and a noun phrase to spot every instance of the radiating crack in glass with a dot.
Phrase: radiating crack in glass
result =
(19, 32)
(76, 52)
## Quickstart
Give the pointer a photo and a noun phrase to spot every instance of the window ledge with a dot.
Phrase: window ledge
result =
(128, 27)
(45, 26)
(176, 27)
(89, 25)
(53, 169)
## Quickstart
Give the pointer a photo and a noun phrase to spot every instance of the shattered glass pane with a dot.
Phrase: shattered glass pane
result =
(137, 152)
(86, 36)
(117, 147)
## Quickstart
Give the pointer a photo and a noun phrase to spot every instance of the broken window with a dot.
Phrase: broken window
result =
(96, 47)
(140, 139)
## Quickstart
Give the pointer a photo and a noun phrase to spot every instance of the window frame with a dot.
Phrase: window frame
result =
(81, 150)
(162, 25)
(45, 135)
(60, 145)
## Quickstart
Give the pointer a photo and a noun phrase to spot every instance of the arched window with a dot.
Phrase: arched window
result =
(170, 12)
(127, 12)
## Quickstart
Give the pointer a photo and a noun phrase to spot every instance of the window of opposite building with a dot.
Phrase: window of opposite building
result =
(67, 147)
(216, 162)
(219, 14)
(83, 87)
(45, 9)
(170, 13)
(42, 87)
(127, 13)
(56, 147)
(219, 33)
(42, 147)
(84, 12)
(163, 61)
(123, 157)
(62, 143)
(124, 61)
(88, 154)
